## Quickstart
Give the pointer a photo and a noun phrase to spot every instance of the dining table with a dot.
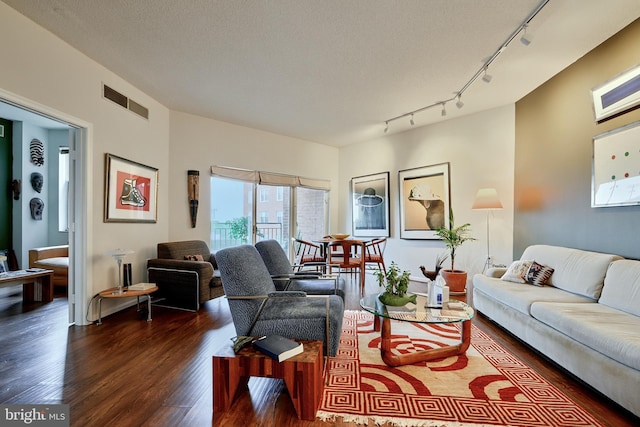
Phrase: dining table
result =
(352, 254)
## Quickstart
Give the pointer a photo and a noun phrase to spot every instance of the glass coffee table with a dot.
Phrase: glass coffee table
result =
(418, 313)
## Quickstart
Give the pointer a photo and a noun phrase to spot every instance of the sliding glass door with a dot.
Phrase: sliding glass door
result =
(245, 212)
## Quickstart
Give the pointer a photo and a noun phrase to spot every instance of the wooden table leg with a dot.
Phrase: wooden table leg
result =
(226, 380)
(305, 384)
(392, 359)
(40, 289)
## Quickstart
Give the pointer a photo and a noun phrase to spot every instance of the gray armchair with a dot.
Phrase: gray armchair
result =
(285, 278)
(183, 282)
(258, 309)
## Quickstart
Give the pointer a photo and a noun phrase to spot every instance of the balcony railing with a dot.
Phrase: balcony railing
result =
(221, 236)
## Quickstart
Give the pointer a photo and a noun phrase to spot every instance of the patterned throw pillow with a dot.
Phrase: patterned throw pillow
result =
(517, 271)
(194, 258)
(538, 274)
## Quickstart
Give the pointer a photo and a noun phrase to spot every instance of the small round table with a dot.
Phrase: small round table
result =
(417, 313)
(126, 293)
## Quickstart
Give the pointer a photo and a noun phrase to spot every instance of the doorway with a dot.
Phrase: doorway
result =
(16, 109)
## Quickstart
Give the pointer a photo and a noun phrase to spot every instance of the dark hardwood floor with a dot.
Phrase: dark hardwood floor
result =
(128, 372)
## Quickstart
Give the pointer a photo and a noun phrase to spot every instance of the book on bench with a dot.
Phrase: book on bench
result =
(278, 347)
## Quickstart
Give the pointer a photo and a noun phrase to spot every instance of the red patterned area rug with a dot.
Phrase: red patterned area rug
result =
(486, 386)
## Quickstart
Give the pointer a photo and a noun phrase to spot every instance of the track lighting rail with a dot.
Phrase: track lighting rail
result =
(482, 71)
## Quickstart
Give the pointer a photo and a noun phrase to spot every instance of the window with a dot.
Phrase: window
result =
(287, 209)
(231, 213)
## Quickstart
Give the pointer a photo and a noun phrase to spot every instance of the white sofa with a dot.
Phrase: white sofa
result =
(587, 319)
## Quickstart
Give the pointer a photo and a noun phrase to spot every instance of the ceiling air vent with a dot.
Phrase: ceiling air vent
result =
(123, 101)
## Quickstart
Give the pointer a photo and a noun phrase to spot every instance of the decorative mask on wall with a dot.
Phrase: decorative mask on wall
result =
(36, 181)
(37, 206)
(37, 152)
(16, 187)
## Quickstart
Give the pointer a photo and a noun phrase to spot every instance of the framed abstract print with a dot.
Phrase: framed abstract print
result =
(616, 167)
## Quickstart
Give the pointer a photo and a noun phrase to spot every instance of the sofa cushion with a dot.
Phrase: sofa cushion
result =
(575, 270)
(520, 296)
(517, 271)
(611, 332)
(622, 286)
(538, 274)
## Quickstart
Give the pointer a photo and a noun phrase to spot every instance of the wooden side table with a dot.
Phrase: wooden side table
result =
(302, 374)
(109, 293)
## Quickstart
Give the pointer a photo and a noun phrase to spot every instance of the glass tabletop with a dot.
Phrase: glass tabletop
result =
(452, 312)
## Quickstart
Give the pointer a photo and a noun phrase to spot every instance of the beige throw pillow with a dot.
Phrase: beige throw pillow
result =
(517, 271)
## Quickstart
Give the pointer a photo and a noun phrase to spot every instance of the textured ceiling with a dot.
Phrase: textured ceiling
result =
(329, 71)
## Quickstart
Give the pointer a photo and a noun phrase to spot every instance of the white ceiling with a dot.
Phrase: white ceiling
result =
(329, 71)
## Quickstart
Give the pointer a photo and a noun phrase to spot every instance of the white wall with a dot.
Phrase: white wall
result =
(198, 143)
(44, 70)
(480, 150)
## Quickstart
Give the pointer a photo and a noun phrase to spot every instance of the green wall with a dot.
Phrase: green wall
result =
(5, 180)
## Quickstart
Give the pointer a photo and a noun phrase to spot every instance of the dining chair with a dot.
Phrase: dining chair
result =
(348, 254)
(374, 253)
(306, 254)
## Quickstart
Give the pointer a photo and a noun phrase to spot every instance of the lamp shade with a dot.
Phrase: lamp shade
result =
(487, 198)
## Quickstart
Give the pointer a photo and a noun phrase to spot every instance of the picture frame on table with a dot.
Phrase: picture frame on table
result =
(370, 205)
(616, 162)
(130, 191)
(424, 201)
(617, 96)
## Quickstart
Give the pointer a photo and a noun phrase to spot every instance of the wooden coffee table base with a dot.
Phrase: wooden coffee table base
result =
(393, 359)
(36, 286)
(302, 375)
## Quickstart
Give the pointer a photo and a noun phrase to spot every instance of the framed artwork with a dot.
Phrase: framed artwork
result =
(618, 95)
(130, 191)
(424, 201)
(616, 167)
(370, 205)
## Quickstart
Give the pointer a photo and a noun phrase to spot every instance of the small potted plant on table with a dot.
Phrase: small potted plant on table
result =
(453, 237)
(395, 285)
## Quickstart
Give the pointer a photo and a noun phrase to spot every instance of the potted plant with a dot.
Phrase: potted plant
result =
(395, 285)
(453, 237)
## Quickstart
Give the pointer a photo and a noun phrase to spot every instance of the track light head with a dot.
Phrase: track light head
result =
(444, 110)
(411, 121)
(386, 126)
(524, 39)
(459, 103)
(487, 77)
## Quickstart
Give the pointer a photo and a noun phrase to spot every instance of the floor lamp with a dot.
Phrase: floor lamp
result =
(487, 199)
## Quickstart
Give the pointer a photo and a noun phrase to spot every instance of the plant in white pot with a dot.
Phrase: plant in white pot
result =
(453, 237)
